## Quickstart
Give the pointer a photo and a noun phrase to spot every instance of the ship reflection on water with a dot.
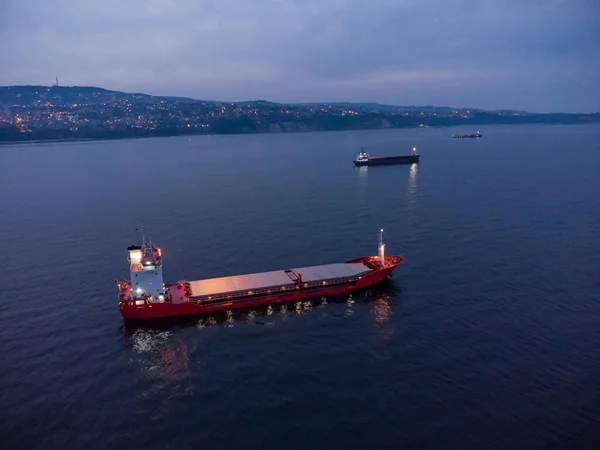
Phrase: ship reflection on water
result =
(413, 173)
(412, 180)
(411, 190)
(161, 353)
(382, 312)
(363, 172)
(174, 362)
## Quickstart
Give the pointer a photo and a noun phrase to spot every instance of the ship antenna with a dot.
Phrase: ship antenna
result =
(140, 228)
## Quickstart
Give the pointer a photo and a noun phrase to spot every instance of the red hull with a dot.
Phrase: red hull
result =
(131, 311)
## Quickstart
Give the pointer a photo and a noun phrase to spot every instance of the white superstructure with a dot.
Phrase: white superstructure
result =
(146, 271)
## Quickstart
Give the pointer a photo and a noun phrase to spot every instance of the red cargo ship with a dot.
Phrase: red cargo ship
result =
(147, 297)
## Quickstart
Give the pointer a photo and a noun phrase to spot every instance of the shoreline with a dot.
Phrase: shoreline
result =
(67, 140)
(118, 138)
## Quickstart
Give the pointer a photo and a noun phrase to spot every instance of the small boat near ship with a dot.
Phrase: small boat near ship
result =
(364, 159)
(146, 296)
(467, 136)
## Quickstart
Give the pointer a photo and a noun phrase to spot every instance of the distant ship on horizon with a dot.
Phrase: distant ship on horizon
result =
(464, 136)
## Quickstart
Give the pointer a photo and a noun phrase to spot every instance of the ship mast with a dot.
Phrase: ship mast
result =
(381, 249)
(140, 227)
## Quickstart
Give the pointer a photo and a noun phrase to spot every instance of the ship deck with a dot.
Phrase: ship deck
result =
(266, 283)
(374, 158)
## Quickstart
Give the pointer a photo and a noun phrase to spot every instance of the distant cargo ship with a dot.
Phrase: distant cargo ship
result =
(364, 159)
(147, 297)
(463, 136)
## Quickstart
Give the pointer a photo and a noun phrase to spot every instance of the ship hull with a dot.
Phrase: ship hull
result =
(466, 136)
(381, 161)
(132, 311)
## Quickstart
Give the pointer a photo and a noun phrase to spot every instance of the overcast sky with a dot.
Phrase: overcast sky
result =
(537, 55)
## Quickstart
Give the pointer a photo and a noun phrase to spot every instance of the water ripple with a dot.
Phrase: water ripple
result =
(485, 338)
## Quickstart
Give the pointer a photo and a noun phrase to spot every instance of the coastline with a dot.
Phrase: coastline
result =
(67, 140)
(166, 135)
(58, 114)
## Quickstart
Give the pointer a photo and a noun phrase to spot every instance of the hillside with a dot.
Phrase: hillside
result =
(60, 112)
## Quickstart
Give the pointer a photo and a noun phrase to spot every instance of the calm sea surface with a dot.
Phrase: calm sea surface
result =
(487, 337)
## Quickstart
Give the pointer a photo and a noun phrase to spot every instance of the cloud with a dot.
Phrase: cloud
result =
(278, 49)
